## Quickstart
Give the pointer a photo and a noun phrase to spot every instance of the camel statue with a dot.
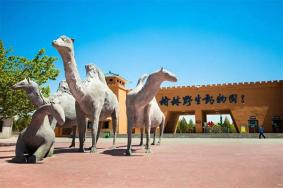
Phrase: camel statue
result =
(93, 72)
(142, 108)
(94, 99)
(62, 97)
(37, 139)
(140, 84)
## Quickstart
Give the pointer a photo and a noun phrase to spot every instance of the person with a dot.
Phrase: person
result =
(261, 132)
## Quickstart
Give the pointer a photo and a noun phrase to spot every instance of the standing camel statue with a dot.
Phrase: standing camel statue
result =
(38, 138)
(142, 108)
(140, 84)
(94, 99)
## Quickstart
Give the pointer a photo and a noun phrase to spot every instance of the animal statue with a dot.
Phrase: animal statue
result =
(32, 90)
(93, 72)
(140, 84)
(37, 139)
(62, 97)
(142, 108)
(94, 99)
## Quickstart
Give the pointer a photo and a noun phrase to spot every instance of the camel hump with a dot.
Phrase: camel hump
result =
(93, 72)
(63, 87)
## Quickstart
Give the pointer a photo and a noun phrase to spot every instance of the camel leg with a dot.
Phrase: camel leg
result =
(147, 145)
(141, 130)
(20, 151)
(114, 125)
(100, 124)
(51, 151)
(94, 129)
(129, 146)
(40, 153)
(99, 129)
(53, 122)
(82, 123)
(147, 128)
(161, 127)
(154, 135)
(74, 130)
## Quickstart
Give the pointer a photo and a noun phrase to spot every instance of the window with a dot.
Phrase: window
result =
(105, 125)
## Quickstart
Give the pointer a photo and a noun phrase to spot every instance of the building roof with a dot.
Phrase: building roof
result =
(111, 74)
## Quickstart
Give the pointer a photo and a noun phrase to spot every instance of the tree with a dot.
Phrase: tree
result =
(22, 123)
(226, 125)
(14, 69)
(226, 122)
(182, 126)
(191, 125)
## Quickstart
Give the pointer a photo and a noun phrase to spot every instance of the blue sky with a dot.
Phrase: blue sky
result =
(202, 42)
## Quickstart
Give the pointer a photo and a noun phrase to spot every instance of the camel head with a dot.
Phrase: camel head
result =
(142, 79)
(58, 113)
(26, 84)
(166, 75)
(63, 44)
(63, 86)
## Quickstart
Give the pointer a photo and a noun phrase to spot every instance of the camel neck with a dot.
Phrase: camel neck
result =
(39, 115)
(148, 91)
(72, 75)
(36, 97)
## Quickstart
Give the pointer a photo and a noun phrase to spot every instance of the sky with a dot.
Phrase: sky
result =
(202, 42)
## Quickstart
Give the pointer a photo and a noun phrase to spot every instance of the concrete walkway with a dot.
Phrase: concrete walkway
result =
(178, 162)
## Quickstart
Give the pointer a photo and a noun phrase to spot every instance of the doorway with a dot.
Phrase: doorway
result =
(219, 122)
(186, 124)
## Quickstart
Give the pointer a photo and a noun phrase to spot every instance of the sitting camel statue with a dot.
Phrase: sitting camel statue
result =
(37, 139)
(142, 108)
(62, 97)
(94, 99)
(140, 84)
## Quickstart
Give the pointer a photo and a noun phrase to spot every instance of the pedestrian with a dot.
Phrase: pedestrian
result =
(261, 132)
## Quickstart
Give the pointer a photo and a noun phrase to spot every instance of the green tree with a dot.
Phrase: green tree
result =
(182, 126)
(22, 122)
(191, 125)
(14, 69)
(230, 128)
(226, 122)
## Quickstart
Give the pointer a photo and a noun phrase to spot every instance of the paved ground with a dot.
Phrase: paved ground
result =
(178, 162)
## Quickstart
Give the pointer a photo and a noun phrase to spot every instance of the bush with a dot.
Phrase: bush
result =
(232, 128)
